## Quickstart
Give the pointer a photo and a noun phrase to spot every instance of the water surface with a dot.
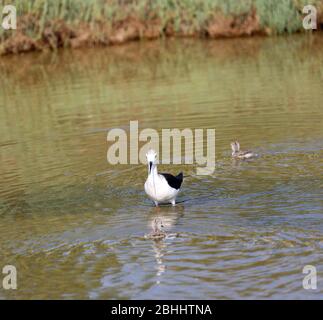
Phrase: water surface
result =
(74, 225)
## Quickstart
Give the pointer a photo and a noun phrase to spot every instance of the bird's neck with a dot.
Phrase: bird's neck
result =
(153, 171)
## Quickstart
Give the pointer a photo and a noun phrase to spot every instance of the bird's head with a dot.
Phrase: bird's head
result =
(235, 146)
(157, 224)
(151, 156)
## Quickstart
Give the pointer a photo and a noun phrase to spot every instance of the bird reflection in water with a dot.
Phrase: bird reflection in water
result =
(162, 225)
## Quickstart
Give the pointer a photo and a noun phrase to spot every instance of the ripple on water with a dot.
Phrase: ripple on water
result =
(74, 225)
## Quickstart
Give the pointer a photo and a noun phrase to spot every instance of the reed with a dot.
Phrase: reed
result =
(187, 17)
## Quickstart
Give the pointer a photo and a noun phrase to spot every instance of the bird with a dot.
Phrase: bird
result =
(161, 187)
(237, 153)
(157, 232)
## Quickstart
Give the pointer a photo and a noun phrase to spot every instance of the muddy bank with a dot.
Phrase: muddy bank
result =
(33, 34)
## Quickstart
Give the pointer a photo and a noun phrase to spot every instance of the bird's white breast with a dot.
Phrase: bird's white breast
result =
(158, 189)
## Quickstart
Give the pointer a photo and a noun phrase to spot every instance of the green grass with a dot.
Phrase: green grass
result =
(280, 16)
(283, 15)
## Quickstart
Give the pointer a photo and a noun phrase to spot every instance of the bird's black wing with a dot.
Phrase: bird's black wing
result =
(174, 182)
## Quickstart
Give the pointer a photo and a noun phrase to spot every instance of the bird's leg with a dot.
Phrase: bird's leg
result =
(173, 202)
(156, 203)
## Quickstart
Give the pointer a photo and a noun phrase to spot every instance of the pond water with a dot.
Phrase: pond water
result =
(74, 225)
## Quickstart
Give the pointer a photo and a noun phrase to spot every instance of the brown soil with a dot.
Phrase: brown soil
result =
(234, 26)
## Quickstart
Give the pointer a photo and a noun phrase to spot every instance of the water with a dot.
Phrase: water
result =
(74, 225)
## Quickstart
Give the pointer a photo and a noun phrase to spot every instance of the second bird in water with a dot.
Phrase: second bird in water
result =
(237, 153)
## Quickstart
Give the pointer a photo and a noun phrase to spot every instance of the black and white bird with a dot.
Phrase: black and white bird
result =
(161, 187)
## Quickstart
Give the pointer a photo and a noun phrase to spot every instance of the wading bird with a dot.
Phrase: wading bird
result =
(161, 187)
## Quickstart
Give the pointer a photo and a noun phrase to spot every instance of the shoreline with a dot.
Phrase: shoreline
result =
(40, 29)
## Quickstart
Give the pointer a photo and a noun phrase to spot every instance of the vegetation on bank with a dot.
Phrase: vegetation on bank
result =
(73, 23)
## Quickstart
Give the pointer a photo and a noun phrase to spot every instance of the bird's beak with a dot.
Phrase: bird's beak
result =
(150, 165)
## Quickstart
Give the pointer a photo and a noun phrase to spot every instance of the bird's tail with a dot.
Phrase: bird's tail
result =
(180, 176)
